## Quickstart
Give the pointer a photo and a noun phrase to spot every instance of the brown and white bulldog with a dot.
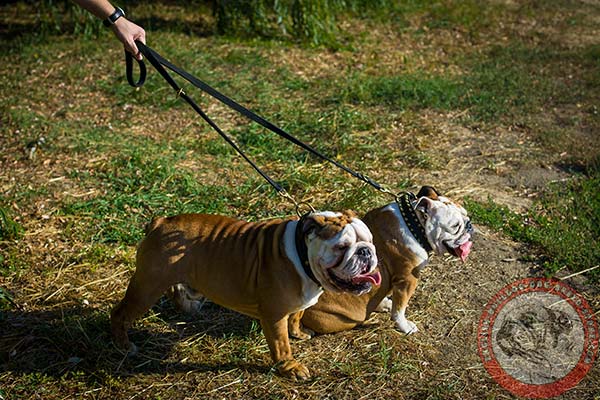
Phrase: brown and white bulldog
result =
(266, 270)
(404, 233)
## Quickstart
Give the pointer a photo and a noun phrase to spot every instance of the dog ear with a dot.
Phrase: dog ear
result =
(423, 205)
(428, 191)
(312, 223)
(349, 214)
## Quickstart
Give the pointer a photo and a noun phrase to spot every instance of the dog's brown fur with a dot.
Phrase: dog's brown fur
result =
(336, 312)
(240, 265)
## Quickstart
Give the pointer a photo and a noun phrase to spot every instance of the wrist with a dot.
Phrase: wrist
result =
(114, 17)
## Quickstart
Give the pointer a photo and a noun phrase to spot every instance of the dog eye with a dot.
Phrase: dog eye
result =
(342, 246)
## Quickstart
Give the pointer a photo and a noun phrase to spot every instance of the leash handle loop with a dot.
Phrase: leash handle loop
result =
(129, 70)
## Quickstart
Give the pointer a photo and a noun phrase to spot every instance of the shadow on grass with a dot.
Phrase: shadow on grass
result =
(74, 340)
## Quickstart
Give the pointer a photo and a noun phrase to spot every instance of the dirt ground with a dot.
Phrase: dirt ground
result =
(54, 343)
(447, 306)
(511, 169)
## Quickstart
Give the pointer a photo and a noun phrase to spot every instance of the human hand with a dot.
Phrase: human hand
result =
(128, 32)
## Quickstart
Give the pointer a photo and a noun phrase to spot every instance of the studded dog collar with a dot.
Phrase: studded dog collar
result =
(412, 220)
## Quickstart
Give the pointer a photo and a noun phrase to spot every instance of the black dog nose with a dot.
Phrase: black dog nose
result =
(363, 252)
(469, 227)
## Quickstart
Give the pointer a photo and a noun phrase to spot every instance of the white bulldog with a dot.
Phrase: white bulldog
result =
(404, 233)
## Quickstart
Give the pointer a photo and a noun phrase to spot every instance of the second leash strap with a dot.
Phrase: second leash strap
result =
(129, 70)
(158, 62)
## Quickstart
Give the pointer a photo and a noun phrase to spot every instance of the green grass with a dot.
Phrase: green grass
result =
(563, 225)
(9, 229)
(137, 184)
(468, 83)
(404, 91)
(6, 300)
(506, 82)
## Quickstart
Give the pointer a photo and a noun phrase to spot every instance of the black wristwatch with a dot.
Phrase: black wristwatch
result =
(112, 18)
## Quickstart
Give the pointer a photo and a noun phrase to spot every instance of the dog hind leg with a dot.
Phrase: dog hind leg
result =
(385, 306)
(138, 299)
(295, 328)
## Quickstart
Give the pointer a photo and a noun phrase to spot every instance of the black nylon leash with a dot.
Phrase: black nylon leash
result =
(159, 63)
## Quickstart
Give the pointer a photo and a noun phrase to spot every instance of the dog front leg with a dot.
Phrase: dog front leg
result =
(401, 295)
(276, 333)
(296, 329)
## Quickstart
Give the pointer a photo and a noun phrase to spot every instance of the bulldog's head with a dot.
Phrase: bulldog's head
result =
(341, 253)
(446, 223)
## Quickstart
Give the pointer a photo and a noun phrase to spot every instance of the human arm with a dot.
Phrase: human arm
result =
(126, 31)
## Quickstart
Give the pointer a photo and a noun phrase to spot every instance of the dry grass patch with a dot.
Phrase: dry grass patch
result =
(115, 156)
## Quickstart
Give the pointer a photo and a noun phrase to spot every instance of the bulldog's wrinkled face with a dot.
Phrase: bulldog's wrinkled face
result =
(447, 226)
(341, 252)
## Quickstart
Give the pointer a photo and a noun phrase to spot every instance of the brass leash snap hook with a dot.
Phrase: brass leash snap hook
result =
(299, 208)
(298, 205)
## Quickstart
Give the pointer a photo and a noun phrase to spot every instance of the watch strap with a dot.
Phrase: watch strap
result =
(112, 18)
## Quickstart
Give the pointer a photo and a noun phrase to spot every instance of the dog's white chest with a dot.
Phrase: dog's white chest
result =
(310, 291)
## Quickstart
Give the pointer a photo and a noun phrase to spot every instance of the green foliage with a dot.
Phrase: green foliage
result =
(243, 16)
(564, 223)
(140, 184)
(63, 16)
(312, 21)
(317, 21)
(9, 228)
(447, 14)
(404, 91)
(509, 81)
(6, 302)
(506, 82)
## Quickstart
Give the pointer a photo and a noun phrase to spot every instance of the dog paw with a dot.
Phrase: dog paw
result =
(292, 369)
(385, 305)
(187, 299)
(302, 334)
(128, 348)
(406, 326)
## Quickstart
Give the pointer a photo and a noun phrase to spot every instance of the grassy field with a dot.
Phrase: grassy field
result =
(496, 103)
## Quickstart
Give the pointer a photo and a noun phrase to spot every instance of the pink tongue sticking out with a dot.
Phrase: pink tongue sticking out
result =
(374, 278)
(463, 250)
